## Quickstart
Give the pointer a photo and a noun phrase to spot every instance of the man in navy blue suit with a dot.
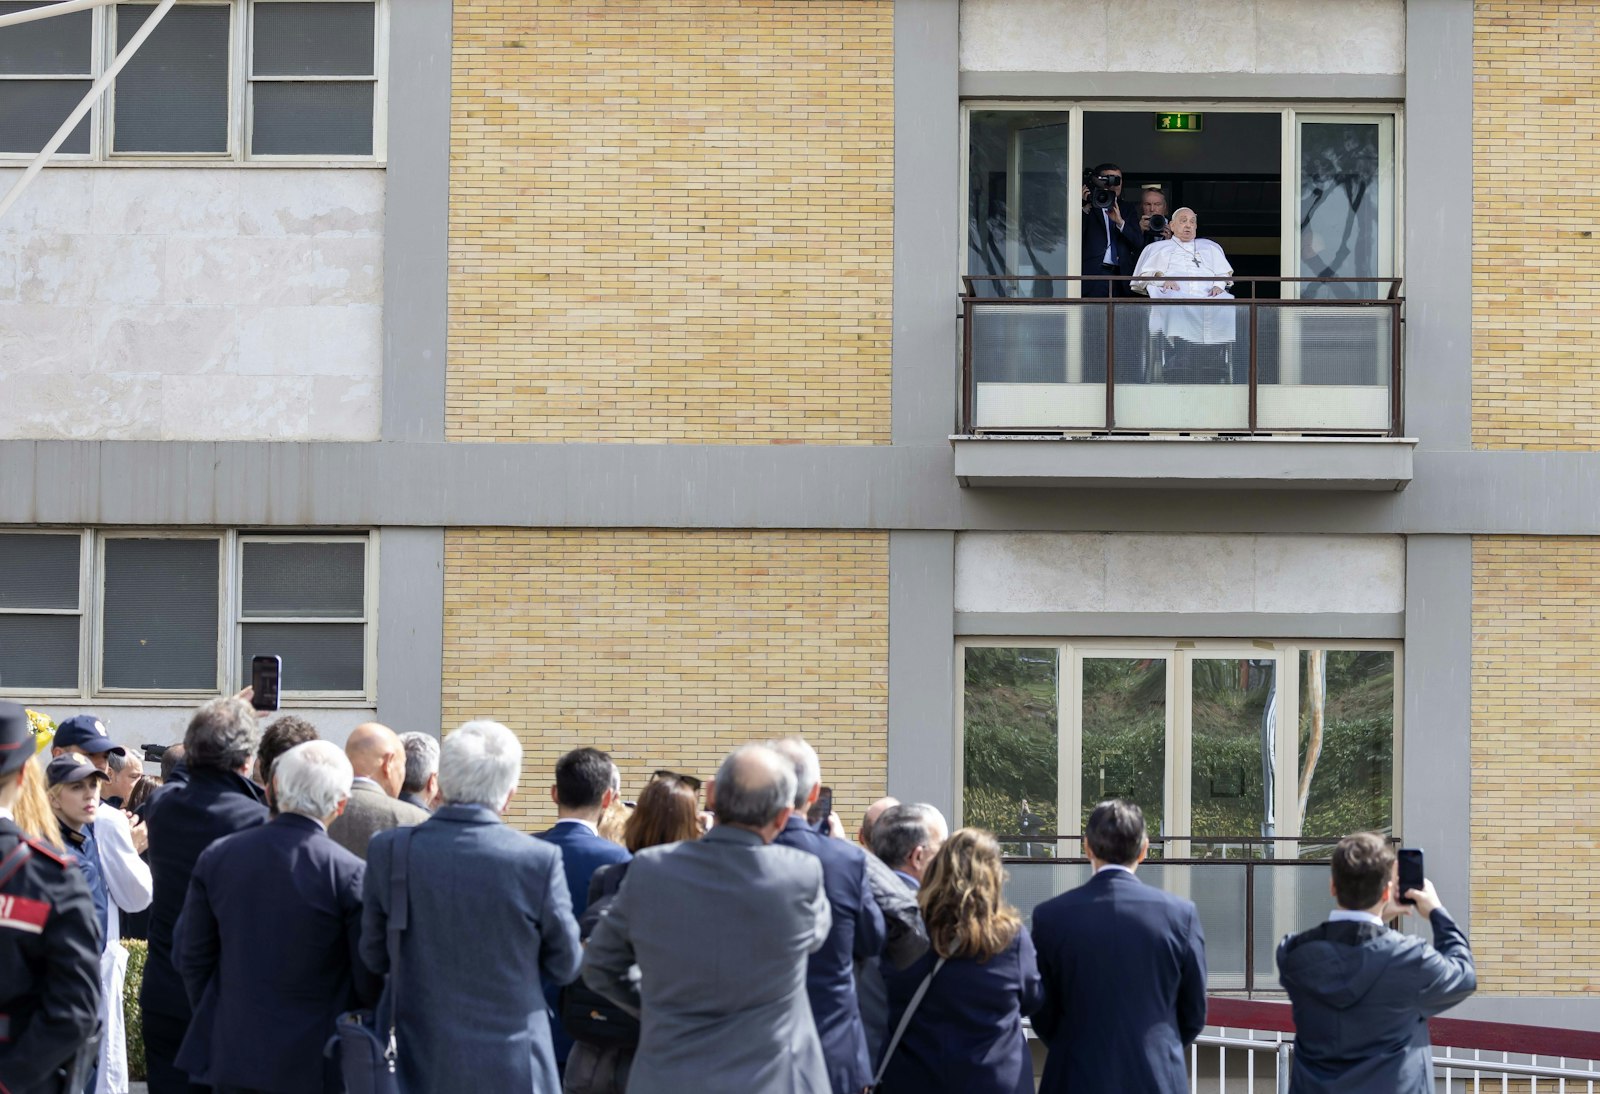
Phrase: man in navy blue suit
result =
(858, 930)
(586, 784)
(269, 941)
(1124, 967)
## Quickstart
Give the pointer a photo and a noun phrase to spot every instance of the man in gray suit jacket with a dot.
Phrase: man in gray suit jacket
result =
(490, 921)
(721, 929)
(378, 757)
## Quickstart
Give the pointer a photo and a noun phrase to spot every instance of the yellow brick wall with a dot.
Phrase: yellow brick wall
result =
(670, 221)
(668, 648)
(1536, 764)
(1536, 278)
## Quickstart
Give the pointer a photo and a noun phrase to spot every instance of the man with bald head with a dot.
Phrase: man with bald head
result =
(378, 758)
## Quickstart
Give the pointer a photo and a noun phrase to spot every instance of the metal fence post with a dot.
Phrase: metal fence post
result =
(1283, 1067)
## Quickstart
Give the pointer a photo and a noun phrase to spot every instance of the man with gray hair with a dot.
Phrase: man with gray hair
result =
(741, 1022)
(858, 932)
(217, 799)
(903, 839)
(488, 921)
(267, 943)
(421, 787)
(907, 837)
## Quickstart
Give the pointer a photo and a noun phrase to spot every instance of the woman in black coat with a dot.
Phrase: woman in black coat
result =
(965, 1036)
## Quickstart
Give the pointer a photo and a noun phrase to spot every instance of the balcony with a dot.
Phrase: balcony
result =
(1306, 372)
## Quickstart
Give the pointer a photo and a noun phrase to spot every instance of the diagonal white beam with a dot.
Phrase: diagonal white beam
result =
(95, 91)
(28, 15)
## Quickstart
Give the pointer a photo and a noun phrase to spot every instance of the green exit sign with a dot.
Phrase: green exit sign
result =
(1180, 123)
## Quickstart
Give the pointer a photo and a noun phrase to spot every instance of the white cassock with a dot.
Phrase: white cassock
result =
(1173, 258)
(129, 889)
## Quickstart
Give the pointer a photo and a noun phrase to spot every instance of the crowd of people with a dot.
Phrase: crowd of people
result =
(724, 936)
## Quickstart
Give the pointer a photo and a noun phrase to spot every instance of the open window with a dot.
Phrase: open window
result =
(1291, 325)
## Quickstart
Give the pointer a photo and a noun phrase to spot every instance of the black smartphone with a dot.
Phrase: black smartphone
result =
(820, 809)
(266, 673)
(1411, 875)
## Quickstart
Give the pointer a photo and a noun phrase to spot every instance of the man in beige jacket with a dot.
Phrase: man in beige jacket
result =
(378, 758)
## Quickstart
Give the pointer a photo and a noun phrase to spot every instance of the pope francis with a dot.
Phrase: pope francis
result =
(1197, 338)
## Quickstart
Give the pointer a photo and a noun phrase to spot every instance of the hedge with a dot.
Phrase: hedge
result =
(133, 1021)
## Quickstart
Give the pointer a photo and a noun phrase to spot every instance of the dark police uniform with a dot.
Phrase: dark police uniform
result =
(49, 948)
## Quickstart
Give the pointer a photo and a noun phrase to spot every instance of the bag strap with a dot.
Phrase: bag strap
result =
(905, 1020)
(399, 919)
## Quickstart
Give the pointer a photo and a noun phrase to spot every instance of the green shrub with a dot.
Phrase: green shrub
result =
(133, 1021)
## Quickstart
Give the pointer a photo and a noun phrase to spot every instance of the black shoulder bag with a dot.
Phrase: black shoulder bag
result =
(366, 1058)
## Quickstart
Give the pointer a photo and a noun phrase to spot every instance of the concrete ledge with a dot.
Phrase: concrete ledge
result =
(1274, 625)
(1255, 463)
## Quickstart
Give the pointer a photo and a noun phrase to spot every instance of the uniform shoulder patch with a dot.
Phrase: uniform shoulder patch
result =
(42, 848)
(23, 914)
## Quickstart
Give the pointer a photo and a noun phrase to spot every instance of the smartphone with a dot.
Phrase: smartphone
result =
(1411, 875)
(266, 672)
(821, 809)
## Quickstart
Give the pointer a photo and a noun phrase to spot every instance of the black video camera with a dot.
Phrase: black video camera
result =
(1102, 189)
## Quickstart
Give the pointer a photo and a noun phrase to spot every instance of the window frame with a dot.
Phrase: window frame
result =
(368, 618)
(85, 575)
(1070, 653)
(241, 24)
(1289, 112)
(230, 572)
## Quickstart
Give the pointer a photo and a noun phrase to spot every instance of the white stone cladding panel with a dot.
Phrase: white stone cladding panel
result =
(1115, 572)
(1345, 37)
(193, 304)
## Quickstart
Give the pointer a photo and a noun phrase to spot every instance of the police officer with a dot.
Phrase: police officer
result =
(49, 945)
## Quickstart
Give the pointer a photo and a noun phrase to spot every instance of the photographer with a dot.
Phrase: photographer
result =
(1153, 223)
(1112, 238)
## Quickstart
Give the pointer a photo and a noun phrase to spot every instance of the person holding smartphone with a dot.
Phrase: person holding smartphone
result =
(1362, 992)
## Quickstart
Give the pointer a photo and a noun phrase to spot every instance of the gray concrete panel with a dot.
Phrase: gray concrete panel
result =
(411, 628)
(922, 684)
(1277, 625)
(294, 485)
(1436, 754)
(1556, 1011)
(928, 220)
(1182, 86)
(416, 241)
(1438, 249)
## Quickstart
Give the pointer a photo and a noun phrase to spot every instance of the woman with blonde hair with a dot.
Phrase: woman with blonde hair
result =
(956, 1013)
(33, 812)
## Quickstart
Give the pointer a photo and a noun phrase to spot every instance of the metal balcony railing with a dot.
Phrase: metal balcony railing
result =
(1250, 891)
(1321, 358)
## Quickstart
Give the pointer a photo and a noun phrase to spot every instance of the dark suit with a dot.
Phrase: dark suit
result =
(268, 950)
(49, 964)
(966, 1035)
(183, 821)
(582, 853)
(1362, 998)
(1126, 243)
(490, 922)
(857, 932)
(1124, 967)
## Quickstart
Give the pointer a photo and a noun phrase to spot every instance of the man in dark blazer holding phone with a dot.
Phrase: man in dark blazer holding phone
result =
(1124, 968)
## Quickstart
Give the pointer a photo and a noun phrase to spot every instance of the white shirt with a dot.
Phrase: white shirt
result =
(1347, 915)
(1113, 866)
(5, 812)
(579, 820)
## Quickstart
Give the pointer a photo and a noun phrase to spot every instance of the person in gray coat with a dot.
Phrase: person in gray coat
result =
(490, 921)
(720, 929)
(378, 757)
(1362, 993)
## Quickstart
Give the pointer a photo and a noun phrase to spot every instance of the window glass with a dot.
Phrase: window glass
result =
(304, 580)
(160, 614)
(1346, 742)
(173, 95)
(57, 45)
(312, 40)
(39, 651)
(38, 571)
(1233, 711)
(1010, 745)
(32, 110)
(310, 119)
(316, 656)
(1125, 735)
(1018, 199)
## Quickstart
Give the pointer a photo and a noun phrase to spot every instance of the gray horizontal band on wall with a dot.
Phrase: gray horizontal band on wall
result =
(1182, 624)
(288, 485)
(1181, 86)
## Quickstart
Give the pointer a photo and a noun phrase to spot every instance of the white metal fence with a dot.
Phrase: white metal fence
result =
(1248, 1061)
